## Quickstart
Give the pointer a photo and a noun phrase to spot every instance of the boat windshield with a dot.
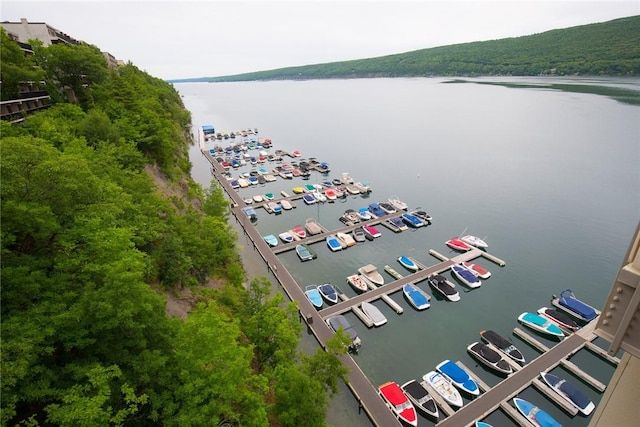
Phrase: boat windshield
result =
(401, 407)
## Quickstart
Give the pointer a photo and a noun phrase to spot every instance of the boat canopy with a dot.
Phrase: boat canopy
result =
(572, 303)
(574, 394)
(208, 129)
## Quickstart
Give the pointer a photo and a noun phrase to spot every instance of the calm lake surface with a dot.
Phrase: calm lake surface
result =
(550, 179)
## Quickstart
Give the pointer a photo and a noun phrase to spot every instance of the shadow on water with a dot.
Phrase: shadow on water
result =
(626, 96)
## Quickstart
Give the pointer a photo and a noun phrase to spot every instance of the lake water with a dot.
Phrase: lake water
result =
(550, 179)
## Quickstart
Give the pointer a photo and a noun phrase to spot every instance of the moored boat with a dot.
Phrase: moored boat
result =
(387, 207)
(444, 388)
(250, 212)
(370, 272)
(398, 403)
(489, 357)
(502, 344)
(569, 392)
(312, 227)
(408, 263)
(540, 324)
(466, 276)
(345, 239)
(364, 214)
(457, 244)
(357, 282)
(286, 237)
(444, 287)
(424, 216)
(358, 235)
(397, 222)
(397, 203)
(313, 295)
(371, 232)
(375, 210)
(536, 416)
(305, 253)
(568, 302)
(329, 293)
(299, 231)
(477, 269)
(333, 243)
(412, 220)
(286, 205)
(474, 241)
(416, 296)
(420, 398)
(458, 377)
(339, 321)
(309, 199)
(373, 313)
(564, 321)
(271, 240)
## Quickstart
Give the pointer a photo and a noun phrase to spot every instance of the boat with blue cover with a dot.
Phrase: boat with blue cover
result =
(313, 295)
(408, 263)
(569, 392)
(466, 276)
(572, 305)
(375, 209)
(458, 377)
(482, 424)
(540, 324)
(333, 243)
(328, 292)
(535, 415)
(412, 220)
(416, 296)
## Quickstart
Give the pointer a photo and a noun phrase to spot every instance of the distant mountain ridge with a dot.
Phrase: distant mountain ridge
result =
(608, 49)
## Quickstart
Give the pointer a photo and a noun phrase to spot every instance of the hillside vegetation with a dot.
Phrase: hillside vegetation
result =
(611, 48)
(90, 248)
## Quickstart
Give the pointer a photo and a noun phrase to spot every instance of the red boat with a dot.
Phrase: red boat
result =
(371, 232)
(299, 231)
(477, 270)
(457, 244)
(398, 402)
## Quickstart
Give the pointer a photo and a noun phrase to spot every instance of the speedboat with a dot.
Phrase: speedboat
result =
(408, 263)
(465, 276)
(370, 272)
(397, 222)
(286, 205)
(375, 209)
(286, 237)
(572, 305)
(330, 194)
(458, 377)
(477, 269)
(416, 296)
(257, 198)
(399, 404)
(345, 239)
(339, 321)
(422, 215)
(559, 318)
(444, 287)
(275, 207)
(373, 313)
(569, 392)
(312, 227)
(540, 324)
(350, 216)
(444, 388)
(297, 190)
(305, 253)
(328, 292)
(387, 207)
(502, 344)
(420, 397)
(412, 220)
(357, 282)
(358, 234)
(397, 203)
(309, 199)
(250, 212)
(535, 415)
(457, 244)
(314, 295)
(299, 231)
(364, 214)
(371, 231)
(474, 241)
(271, 240)
(333, 243)
(489, 357)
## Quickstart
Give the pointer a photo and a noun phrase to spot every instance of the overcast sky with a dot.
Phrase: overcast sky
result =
(181, 39)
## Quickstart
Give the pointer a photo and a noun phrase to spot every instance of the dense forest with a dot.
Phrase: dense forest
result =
(611, 48)
(100, 222)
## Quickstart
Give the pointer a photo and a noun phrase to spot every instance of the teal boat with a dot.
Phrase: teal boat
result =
(540, 324)
(313, 294)
(534, 414)
(271, 240)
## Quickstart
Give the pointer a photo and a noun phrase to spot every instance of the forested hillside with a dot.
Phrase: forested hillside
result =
(91, 246)
(611, 48)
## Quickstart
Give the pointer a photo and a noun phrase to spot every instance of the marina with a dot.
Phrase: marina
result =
(316, 319)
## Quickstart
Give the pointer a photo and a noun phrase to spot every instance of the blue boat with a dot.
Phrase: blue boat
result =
(570, 304)
(304, 253)
(466, 276)
(309, 199)
(328, 292)
(250, 212)
(416, 296)
(408, 263)
(375, 209)
(412, 220)
(569, 392)
(458, 377)
(333, 243)
(534, 414)
(482, 424)
(314, 296)
(540, 324)
(271, 240)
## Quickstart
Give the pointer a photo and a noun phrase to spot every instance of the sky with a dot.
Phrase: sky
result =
(182, 39)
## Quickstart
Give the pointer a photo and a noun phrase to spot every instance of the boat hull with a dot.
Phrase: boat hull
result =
(444, 388)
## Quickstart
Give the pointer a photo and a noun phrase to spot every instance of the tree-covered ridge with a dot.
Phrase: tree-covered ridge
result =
(89, 247)
(611, 48)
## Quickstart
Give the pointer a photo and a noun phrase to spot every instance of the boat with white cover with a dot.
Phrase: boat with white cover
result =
(373, 313)
(370, 272)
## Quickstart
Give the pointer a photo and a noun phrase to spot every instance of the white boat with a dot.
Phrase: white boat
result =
(569, 392)
(416, 296)
(357, 282)
(286, 237)
(420, 397)
(370, 272)
(489, 357)
(474, 241)
(312, 227)
(444, 388)
(346, 239)
(541, 324)
(373, 313)
(466, 276)
(397, 203)
(286, 205)
(333, 243)
(444, 287)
